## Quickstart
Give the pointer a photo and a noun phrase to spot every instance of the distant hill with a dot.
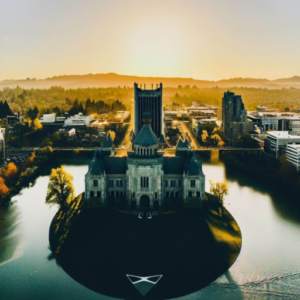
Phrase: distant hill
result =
(114, 80)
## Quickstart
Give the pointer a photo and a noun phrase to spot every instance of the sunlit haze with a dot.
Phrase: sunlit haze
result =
(210, 40)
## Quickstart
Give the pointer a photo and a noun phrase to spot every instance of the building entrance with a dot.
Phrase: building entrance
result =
(145, 202)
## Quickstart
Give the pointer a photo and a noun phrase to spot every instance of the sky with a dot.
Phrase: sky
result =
(202, 39)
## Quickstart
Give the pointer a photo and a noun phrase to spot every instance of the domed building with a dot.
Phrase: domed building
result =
(145, 178)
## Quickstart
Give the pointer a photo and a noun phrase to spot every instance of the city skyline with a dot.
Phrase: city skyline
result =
(200, 39)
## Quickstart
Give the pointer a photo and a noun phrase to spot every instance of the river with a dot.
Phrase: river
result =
(267, 268)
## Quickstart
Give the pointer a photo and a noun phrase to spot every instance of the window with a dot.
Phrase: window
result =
(190, 194)
(121, 194)
(120, 182)
(133, 195)
(198, 194)
(155, 195)
(166, 183)
(112, 194)
(177, 194)
(92, 194)
(167, 194)
(172, 194)
(95, 182)
(193, 183)
(117, 194)
(99, 194)
(173, 183)
(144, 182)
(179, 182)
(110, 183)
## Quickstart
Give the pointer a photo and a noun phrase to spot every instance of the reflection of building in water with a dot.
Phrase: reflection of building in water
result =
(145, 177)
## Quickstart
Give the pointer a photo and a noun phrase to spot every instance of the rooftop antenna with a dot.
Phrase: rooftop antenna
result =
(144, 86)
(152, 86)
(141, 86)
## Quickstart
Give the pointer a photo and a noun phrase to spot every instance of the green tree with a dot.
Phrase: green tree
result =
(219, 190)
(60, 188)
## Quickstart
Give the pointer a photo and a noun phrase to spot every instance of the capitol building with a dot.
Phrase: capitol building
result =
(145, 178)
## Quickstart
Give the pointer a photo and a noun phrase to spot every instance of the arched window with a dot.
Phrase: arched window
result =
(148, 152)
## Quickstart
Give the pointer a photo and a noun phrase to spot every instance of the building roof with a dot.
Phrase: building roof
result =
(294, 146)
(96, 167)
(107, 143)
(282, 135)
(193, 166)
(173, 165)
(161, 139)
(146, 137)
(115, 165)
(182, 144)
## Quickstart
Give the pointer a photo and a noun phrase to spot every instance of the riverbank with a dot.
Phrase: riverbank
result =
(38, 164)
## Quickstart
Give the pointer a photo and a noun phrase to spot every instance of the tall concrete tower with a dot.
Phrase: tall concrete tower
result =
(151, 101)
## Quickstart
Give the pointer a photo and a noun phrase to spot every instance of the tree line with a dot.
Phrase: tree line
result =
(5, 110)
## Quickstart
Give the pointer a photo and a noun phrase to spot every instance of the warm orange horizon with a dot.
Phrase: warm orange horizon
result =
(206, 40)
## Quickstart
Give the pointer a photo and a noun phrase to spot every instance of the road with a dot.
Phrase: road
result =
(185, 129)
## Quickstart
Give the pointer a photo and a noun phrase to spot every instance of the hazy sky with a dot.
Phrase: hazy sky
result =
(203, 39)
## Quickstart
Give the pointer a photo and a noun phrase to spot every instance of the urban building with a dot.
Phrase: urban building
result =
(277, 141)
(265, 109)
(2, 143)
(78, 120)
(278, 121)
(176, 114)
(204, 124)
(145, 178)
(14, 119)
(68, 134)
(51, 123)
(151, 101)
(196, 106)
(289, 123)
(234, 118)
(293, 154)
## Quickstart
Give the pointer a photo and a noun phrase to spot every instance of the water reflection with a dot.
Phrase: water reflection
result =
(281, 199)
(267, 268)
(9, 238)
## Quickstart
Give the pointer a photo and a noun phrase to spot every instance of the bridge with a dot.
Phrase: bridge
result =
(33, 149)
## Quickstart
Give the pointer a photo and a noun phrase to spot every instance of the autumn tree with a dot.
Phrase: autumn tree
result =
(28, 161)
(60, 188)
(9, 170)
(219, 190)
(36, 124)
(112, 134)
(4, 190)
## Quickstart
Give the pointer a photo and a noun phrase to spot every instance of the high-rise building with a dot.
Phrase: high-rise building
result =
(2, 142)
(151, 101)
(234, 117)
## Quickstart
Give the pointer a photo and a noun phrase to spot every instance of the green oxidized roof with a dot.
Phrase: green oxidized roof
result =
(173, 165)
(146, 137)
(115, 165)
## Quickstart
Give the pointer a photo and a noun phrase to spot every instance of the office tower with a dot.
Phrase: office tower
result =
(148, 101)
(234, 118)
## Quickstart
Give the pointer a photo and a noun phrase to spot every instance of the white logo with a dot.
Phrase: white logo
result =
(144, 284)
